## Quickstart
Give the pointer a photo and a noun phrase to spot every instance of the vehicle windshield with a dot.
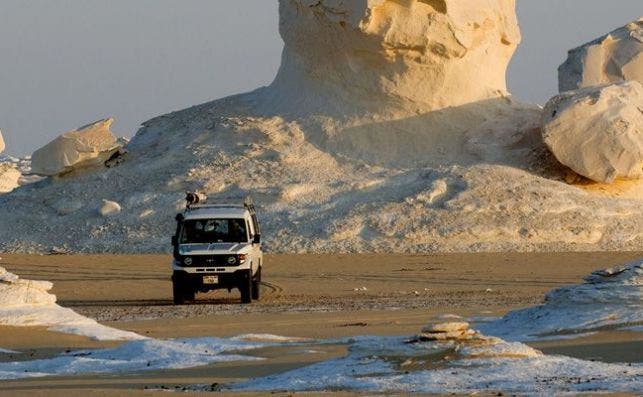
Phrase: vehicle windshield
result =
(205, 231)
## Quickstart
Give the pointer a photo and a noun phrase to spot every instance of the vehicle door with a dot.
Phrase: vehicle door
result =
(256, 252)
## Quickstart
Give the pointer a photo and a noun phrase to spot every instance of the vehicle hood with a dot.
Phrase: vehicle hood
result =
(213, 249)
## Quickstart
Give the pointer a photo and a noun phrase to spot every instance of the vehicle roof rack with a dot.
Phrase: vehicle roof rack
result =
(198, 200)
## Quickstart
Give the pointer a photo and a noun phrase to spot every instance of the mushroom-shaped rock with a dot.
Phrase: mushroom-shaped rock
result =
(614, 57)
(9, 177)
(598, 131)
(431, 54)
(88, 146)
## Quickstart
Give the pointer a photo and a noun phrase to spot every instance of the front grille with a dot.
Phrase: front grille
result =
(210, 260)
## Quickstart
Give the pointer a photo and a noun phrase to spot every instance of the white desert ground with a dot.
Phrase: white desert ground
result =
(427, 232)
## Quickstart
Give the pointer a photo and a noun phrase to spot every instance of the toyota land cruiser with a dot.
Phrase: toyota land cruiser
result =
(216, 246)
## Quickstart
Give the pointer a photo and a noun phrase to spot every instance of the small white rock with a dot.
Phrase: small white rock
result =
(110, 208)
(447, 327)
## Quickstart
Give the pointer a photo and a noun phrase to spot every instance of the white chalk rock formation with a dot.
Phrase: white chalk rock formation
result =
(598, 131)
(2, 145)
(9, 177)
(424, 54)
(88, 146)
(614, 57)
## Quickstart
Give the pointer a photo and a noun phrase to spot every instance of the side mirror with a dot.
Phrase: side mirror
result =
(179, 217)
(175, 241)
(256, 239)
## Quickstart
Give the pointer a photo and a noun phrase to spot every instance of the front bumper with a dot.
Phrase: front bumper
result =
(225, 280)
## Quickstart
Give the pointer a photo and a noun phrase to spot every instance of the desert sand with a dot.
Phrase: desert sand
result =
(309, 296)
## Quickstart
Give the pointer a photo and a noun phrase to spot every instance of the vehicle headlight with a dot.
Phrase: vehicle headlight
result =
(187, 260)
(232, 260)
(242, 258)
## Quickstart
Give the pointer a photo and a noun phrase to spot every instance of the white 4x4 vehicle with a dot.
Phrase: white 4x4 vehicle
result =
(216, 246)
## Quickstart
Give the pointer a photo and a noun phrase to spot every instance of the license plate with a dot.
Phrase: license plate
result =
(210, 279)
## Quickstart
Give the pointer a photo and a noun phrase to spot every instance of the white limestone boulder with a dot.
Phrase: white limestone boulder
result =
(9, 177)
(614, 57)
(88, 146)
(598, 131)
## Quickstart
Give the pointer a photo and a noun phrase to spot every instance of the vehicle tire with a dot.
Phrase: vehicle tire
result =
(245, 287)
(255, 285)
(181, 294)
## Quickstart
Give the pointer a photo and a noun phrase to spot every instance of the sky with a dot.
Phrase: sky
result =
(66, 63)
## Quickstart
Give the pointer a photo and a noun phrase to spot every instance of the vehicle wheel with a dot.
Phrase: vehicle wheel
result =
(255, 285)
(245, 288)
(181, 294)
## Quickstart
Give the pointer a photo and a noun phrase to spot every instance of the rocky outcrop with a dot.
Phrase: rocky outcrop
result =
(9, 177)
(88, 146)
(425, 55)
(598, 131)
(614, 57)
(2, 146)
